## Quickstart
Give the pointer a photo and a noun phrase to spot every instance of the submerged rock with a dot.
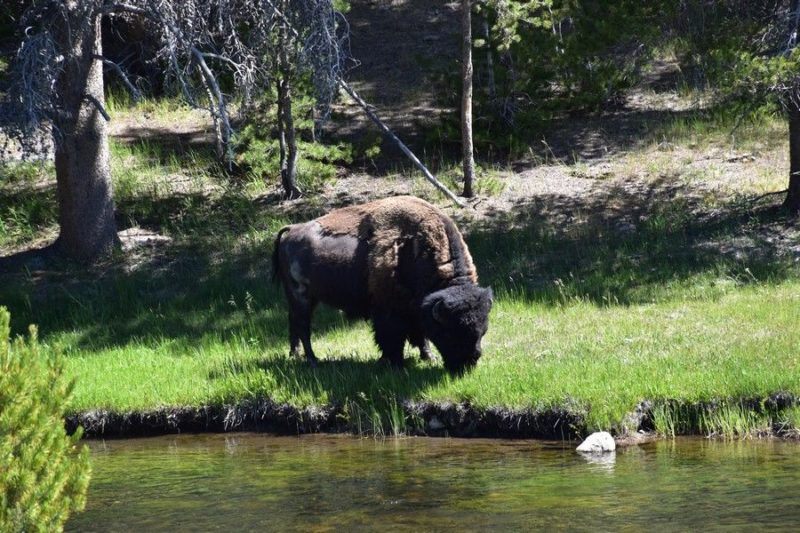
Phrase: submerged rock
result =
(600, 442)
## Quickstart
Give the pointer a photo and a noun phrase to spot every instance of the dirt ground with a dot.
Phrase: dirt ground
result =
(606, 168)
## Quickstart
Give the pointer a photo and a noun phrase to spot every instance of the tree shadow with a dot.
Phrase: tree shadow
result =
(342, 379)
(183, 143)
(167, 294)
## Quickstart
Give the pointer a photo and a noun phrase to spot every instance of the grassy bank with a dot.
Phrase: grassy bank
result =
(654, 283)
(601, 360)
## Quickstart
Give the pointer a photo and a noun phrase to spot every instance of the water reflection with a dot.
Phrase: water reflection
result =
(603, 461)
(257, 482)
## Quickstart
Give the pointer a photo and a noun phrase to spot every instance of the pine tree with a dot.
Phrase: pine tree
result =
(44, 473)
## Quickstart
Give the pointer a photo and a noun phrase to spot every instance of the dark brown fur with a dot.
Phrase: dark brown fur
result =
(382, 261)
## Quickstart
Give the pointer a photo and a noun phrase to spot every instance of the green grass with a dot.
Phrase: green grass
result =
(119, 103)
(596, 314)
(605, 360)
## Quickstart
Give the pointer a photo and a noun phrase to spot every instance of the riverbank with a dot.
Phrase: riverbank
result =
(634, 260)
(595, 363)
(770, 417)
(610, 290)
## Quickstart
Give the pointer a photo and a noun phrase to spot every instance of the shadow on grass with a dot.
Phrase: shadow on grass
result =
(366, 396)
(174, 297)
(632, 243)
(342, 378)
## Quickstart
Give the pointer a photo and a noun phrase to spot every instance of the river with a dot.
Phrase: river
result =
(239, 482)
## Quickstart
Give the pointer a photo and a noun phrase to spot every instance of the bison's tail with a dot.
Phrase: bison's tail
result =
(276, 252)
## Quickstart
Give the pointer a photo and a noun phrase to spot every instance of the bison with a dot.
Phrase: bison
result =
(399, 262)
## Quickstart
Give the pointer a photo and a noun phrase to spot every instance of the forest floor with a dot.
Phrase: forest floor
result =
(642, 279)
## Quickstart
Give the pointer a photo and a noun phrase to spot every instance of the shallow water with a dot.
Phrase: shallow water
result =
(318, 483)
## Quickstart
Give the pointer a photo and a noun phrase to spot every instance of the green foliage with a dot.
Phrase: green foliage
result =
(708, 37)
(510, 16)
(550, 57)
(258, 149)
(44, 473)
(755, 78)
(342, 6)
(595, 49)
(738, 48)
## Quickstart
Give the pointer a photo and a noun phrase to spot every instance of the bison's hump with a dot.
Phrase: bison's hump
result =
(386, 226)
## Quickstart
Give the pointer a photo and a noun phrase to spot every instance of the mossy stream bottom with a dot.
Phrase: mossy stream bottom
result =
(319, 483)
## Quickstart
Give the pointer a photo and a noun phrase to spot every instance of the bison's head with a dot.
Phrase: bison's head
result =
(455, 319)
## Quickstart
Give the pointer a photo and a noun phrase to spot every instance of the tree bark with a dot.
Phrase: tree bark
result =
(487, 35)
(83, 173)
(792, 201)
(287, 140)
(466, 97)
(286, 130)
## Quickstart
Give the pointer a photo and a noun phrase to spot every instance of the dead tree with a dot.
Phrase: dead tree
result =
(58, 86)
(305, 42)
(287, 138)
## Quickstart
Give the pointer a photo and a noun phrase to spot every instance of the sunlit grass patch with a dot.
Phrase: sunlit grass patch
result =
(723, 419)
(121, 105)
(599, 360)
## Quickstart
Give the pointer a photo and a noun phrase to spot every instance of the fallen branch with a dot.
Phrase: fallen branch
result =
(384, 128)
(762, 196)
(386, 131)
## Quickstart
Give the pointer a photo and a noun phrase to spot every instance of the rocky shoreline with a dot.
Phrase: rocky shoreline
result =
(431, 419)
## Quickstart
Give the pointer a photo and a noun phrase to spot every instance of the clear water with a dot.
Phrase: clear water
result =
(320, 483)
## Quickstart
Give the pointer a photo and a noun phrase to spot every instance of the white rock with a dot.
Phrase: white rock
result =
(600, 442)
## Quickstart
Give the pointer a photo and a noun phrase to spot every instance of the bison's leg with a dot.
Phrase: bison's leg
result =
(390, 335)
(416, 338)
(425, 350)
(300, 311)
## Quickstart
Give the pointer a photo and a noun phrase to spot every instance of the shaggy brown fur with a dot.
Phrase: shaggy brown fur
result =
(391, 224)
(382, 261)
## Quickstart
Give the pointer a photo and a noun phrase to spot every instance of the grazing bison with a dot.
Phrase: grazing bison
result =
(399, 262)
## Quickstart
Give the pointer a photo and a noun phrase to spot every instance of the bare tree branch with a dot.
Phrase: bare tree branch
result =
(135, 92)
(222, 110)
(96, 103)
(374, 117)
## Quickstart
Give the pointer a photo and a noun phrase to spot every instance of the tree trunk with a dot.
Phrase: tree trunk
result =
(792, 201)
(287, 139)
(487, 36)
(83, 172)
(286, 131)
(466, 97)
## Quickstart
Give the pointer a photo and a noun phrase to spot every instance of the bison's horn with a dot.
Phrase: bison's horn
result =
(436, 312)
